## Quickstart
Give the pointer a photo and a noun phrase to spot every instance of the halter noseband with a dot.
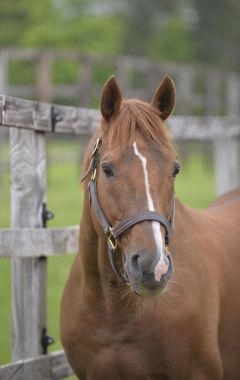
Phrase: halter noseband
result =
(113, 233)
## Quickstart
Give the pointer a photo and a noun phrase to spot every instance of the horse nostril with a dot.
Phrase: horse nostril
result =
(134, 265)
(135, 260)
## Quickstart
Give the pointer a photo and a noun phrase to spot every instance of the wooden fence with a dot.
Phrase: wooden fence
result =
(29, 244)
(200, 90)
(205, 91)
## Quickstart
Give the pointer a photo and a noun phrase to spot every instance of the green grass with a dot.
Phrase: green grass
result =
(195, 183)
(195, 186)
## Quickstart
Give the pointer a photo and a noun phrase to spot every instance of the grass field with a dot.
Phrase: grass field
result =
(195, 186)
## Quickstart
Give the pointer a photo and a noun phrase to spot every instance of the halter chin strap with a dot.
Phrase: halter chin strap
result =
(113, 233)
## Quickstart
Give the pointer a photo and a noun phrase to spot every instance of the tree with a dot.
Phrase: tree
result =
(13, 22)
(172, 40)
(218, 33)
(140, 18)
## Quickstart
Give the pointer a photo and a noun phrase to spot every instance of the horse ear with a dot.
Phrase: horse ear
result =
(164, 97)
(111, 99)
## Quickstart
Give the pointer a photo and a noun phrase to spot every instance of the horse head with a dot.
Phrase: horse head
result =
(133, 169)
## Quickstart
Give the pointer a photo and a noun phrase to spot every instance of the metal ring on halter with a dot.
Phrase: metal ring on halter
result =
(111, 239)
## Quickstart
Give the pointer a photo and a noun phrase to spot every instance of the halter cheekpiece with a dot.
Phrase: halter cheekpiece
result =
(113, 233)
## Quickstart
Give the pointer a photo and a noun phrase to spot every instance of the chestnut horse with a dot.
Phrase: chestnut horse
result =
(143, 302)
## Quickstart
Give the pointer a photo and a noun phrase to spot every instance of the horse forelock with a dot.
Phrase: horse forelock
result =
(136, 115)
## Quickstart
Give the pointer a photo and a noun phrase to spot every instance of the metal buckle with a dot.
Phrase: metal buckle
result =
(94, 173)
(94, 158)
(96, 146)
(111, 239)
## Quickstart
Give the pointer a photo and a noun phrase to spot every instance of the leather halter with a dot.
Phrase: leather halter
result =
(113, 233)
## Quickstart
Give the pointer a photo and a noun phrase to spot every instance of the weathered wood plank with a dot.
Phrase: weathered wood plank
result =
(37, 242)
(3, 89)
(227, 164)
(48, 367)
(23, 91)
(77, 120)
(24, 54)
(233, 94)
(20, 113)
(27, 114)
(2, 166)
(28, 184)
(65, 91)
(203, 128)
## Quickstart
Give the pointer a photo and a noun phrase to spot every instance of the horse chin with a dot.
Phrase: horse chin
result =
(143, 290)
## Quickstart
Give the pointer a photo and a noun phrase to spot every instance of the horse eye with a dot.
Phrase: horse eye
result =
(107, 170)
(177, 168)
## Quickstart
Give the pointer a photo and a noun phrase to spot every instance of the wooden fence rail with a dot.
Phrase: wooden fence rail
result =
(38, 242)
(28, 244)
(200, 89)
(44, 367)
(44, 117)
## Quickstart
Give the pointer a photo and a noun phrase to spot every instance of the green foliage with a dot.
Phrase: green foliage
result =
(167, 30)
(195, 175)
(22, 72)
(172, 40)
(138, 79)
(65, 72)
(65, 24)
(217, 32)
(46, 24)
(13, 22)
(101, 73)
(140, 19)
(86, 34)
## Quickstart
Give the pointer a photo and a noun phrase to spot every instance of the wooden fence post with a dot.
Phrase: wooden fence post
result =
(233, 93)
(124, 67)
(212, 98)
(44, 77)
(184, 89)
(85, 82)
(3, 132)
(227, 150)
(28, 184)
(226, 162)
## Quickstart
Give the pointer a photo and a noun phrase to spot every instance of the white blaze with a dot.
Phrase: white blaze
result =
(161, 266)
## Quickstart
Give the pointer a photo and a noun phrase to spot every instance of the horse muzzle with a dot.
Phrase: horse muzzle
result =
(149, 277)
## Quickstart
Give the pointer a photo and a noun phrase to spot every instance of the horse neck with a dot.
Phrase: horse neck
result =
(184, 215)
(188, 225)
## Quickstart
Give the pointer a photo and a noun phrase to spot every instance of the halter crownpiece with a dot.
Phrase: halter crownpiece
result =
(113, 233)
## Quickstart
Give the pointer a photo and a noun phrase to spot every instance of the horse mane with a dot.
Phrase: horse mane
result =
(136, 115)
